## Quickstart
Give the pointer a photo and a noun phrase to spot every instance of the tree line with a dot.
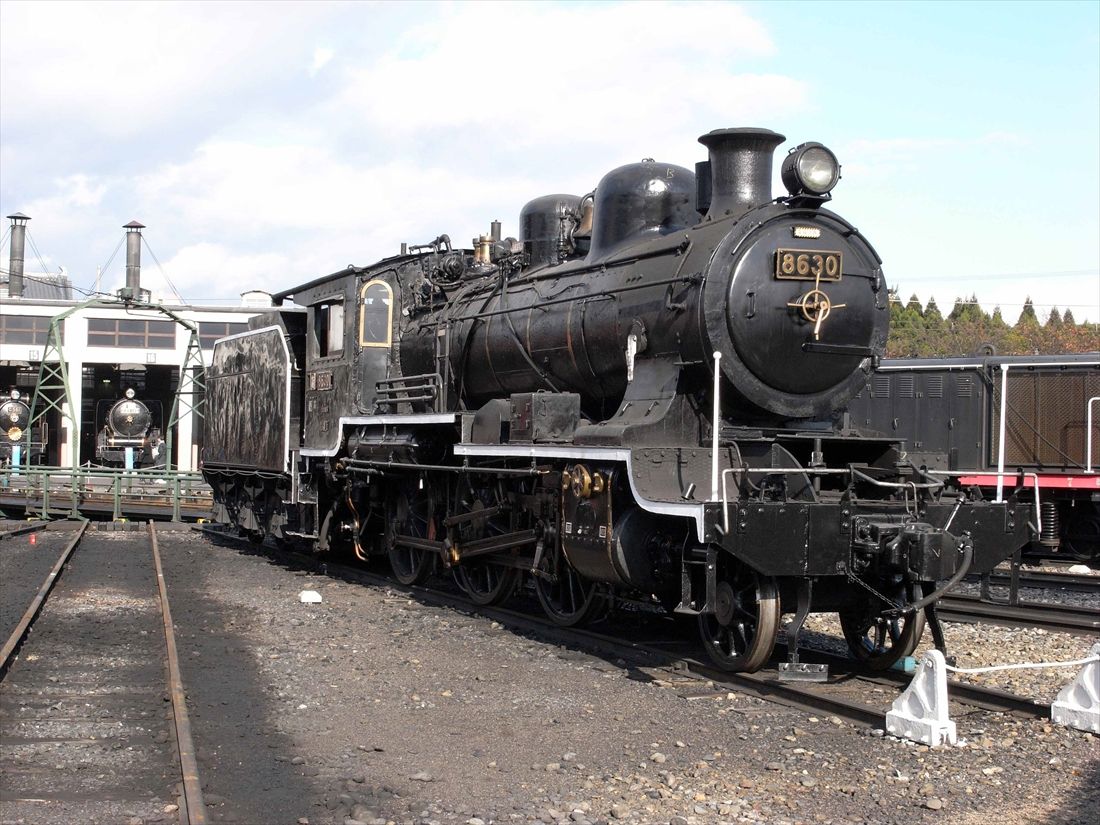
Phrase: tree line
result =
(924, 332)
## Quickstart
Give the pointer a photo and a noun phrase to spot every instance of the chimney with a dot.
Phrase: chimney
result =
(133, 257)
(740, 169)
(18, 243)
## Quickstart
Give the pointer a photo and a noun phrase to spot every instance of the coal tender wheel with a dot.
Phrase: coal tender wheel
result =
(411, 514)
(740, 634)
(878, 641)
(486, 583)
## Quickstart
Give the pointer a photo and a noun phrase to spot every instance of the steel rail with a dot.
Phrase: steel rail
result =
(193, 810)
(1059, 618)
(1077, 582)
(968, 693)
(19, 531)
(11, 646)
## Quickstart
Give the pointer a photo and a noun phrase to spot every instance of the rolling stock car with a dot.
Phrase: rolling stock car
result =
(982, 416)
(18, 447)
(639, 397)
(129, 437)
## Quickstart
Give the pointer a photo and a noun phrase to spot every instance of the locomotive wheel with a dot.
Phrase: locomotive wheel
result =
(411, 513)
(878, 641)
(483, 581)
(571, 599)
(486, 583)
(740, 634)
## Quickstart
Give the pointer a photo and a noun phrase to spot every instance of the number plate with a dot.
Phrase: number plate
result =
(808, 264)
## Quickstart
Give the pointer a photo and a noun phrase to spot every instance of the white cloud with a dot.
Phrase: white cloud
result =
(570, 75)
(121, 69)
(465, 117)
(321, 58)
(205, 270)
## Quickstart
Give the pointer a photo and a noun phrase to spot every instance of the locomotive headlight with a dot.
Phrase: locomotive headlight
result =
(130, 392)
(810, 169)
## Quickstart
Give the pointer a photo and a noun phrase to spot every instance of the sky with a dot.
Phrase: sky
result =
(267, 144)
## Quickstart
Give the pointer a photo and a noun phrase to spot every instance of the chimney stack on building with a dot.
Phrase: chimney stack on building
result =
(18, 243)
(133, 258)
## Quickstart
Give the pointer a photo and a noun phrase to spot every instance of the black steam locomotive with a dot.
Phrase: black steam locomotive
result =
(16, 448)
(129, 437)
(641, 398)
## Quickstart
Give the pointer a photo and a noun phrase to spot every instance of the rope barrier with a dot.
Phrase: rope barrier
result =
(1023, 666)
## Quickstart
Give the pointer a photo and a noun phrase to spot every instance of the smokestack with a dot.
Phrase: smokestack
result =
(740, 169)
(133, 257)
(18, 242)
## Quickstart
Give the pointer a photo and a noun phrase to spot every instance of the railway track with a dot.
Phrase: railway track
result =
(83, 690)
(32, 527)
(1060, 618)
(674, 661)
(1045, 580)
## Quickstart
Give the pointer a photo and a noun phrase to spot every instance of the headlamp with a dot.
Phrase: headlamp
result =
(810, 169)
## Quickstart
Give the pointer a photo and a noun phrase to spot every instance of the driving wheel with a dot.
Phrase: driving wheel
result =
(411, 516)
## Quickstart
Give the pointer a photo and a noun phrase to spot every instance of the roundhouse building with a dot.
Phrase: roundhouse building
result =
(108, 349)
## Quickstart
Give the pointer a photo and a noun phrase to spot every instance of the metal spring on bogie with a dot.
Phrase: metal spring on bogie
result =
(1052, 524)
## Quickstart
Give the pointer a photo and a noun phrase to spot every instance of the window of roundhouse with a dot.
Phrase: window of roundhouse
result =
(211, 331)
(131, 332)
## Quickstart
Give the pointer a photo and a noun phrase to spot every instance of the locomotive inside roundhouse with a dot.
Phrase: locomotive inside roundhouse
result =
(640, 398)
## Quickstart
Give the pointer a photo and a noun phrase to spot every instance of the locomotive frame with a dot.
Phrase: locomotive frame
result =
(628, 402)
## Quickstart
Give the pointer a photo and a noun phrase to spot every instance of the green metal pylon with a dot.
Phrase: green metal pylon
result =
(191, 392)
(53, 378)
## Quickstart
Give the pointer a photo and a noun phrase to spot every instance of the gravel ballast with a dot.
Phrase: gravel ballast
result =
(373, 707)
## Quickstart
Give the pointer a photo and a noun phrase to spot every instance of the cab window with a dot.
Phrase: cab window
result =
(375, 314)
(328, 328)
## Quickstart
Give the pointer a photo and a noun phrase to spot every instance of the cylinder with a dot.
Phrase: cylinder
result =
(15, 265)
(740, 169)
(133, 256)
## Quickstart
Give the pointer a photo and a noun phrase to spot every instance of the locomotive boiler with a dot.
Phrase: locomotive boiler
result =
(129, 437)
(639, 398)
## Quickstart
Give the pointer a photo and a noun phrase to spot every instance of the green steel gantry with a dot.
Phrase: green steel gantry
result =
(51, 392)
